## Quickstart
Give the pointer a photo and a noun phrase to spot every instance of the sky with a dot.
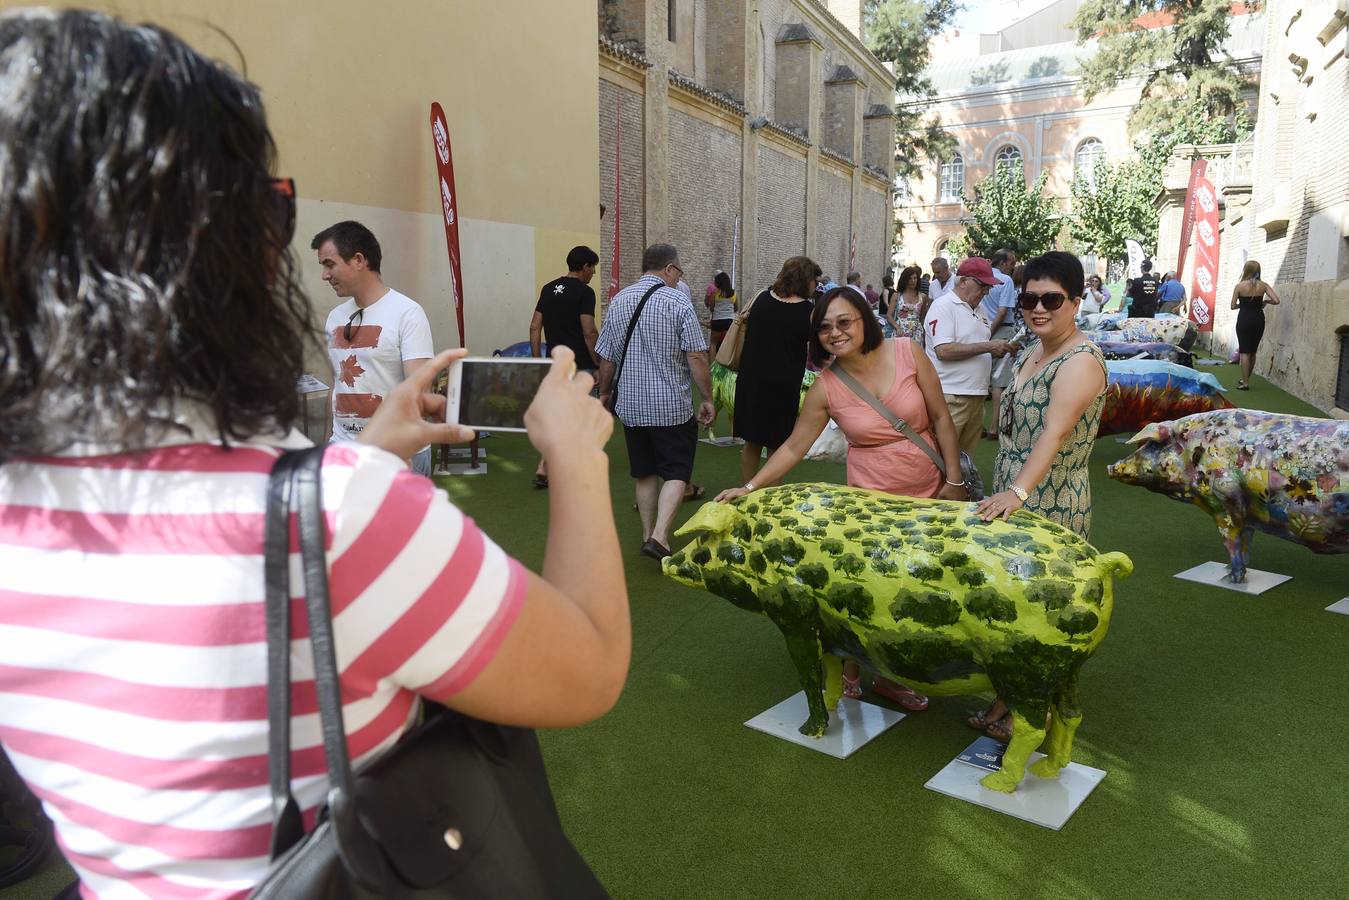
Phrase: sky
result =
(979, 15)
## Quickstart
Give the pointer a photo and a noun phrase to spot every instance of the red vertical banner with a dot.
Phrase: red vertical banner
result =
(1204, 292)
(614, 254)
(440, 137)
(1197, 170)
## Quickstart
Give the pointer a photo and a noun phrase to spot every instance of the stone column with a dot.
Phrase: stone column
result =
(657, 118)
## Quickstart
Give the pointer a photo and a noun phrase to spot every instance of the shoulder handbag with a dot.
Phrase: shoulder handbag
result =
(457, 808)
(969, 473)
(733, 344)
(627, 339)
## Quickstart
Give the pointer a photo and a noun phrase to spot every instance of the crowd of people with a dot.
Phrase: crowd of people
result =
(165, 608)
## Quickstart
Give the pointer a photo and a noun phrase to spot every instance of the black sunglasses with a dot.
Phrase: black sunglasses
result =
(346, 329)
(1051, 301)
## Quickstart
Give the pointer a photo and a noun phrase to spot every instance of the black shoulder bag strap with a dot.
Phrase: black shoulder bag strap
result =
(627, 339)
(296, 479)
(895, 421)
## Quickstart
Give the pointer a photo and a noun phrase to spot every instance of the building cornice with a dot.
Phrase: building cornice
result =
(840, 159)
(788, 132)
(614, 50)
(707, 95)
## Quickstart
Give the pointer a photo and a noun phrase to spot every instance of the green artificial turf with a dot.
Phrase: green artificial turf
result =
(1217, 717)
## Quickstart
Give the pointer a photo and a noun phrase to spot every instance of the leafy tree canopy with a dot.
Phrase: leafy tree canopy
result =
(1182, 65)
(1005, 213)
(898, 31)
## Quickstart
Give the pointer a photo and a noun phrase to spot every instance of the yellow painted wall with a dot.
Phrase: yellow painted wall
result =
(348, 86)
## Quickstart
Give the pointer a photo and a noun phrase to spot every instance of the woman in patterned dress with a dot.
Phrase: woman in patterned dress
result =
(1048, 420)
(908, 306)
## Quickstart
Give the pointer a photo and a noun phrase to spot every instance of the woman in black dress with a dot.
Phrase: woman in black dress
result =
(768, 386)
(1249, 297)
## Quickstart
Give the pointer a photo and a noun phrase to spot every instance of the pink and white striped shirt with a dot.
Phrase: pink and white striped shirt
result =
(132, 645)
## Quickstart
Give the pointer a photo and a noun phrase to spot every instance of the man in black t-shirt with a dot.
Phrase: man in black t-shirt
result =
(565, 313)
(1144, 291)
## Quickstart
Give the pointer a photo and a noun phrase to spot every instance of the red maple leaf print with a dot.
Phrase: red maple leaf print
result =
(351, 370)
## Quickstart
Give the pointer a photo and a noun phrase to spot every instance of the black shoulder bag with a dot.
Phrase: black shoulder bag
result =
(457, 808)
(632, 325)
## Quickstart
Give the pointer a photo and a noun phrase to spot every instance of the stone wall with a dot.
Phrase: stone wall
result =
(704, 191)
(627, 105)
(782, 214)
(834, 210)
(873, 254)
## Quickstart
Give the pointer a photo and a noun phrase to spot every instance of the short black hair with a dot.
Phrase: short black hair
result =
(351, 238)
(872, 336)
(1147, 265)
(580, 257)
(658, 256)
(1063, 268)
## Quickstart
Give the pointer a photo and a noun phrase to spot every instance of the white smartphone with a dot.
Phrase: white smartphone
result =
(493, 394)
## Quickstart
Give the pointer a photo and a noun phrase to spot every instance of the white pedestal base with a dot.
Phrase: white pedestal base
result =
(1339, 606)
(727, 441)
(851, 726)
(1049, 802)
(1215, 573)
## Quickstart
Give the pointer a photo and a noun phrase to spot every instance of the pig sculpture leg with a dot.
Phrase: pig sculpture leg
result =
(833, 680)
(1064, 719)
(1237, 540)
(1025, 738)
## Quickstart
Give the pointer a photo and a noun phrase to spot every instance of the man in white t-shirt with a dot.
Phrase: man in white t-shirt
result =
(958, 343)
(375, 340)
(942, 281)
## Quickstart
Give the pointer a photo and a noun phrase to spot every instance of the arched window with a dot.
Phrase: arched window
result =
(952, 178)
(1090, 157)
(940, 249)
(1008, 155)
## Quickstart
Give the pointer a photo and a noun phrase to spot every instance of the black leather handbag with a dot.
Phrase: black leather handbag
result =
(457, 808)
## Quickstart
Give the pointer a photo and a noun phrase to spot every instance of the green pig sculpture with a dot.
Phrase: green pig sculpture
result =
(922, 591)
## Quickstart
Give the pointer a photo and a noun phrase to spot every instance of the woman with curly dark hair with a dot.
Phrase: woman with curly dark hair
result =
(906, 313)
(152, 329)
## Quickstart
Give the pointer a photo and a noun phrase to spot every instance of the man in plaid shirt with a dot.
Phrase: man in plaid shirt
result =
(652, 386)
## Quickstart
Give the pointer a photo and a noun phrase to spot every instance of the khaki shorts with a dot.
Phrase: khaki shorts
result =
(967, 413)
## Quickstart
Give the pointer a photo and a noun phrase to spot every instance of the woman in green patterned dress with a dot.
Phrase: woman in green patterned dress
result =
(1048, 419)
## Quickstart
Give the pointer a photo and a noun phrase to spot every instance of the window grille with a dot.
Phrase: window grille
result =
(1090, 158)
(953, 178)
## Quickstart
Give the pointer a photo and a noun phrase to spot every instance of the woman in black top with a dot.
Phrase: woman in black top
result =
(1250, 296)
(768, 386)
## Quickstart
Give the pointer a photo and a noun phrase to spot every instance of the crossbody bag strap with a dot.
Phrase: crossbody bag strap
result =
(287, 825)
(888, 414)
(627, 339)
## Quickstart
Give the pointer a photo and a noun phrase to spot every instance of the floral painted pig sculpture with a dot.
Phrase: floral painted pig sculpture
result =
(1284, 475)
(921, 591)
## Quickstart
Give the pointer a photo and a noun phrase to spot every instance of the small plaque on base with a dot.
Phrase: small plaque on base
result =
(851, 726)
(1216, 574)
(1339, 606)
(1049, 802)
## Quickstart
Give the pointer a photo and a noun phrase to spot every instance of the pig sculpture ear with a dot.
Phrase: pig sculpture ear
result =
(1157, 431)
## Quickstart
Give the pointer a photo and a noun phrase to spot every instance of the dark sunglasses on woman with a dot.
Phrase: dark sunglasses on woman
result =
(1051, 301)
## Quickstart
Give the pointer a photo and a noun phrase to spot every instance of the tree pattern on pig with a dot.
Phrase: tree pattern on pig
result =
(920, 590)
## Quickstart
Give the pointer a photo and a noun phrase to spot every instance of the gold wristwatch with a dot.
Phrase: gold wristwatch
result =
(1020, 493)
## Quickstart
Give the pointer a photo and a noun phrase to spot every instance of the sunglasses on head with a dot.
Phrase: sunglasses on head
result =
(1050, 301)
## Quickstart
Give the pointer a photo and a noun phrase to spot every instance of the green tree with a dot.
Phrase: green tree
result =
(1005, 213)
(1183, 66)
(898, 32)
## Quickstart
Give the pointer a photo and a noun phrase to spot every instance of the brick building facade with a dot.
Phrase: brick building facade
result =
(769, 111)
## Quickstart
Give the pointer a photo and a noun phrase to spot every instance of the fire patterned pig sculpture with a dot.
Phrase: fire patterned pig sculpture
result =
(921, 591)
(1139, 392)
(1284, 475)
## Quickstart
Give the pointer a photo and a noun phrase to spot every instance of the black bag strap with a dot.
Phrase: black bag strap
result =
(888, 414)
(297, 476)
(627, 339)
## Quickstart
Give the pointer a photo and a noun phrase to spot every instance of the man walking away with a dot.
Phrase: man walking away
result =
(565, 316)
(651, 395)
(1144, 293)
(1172, 294)
(376, 339)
